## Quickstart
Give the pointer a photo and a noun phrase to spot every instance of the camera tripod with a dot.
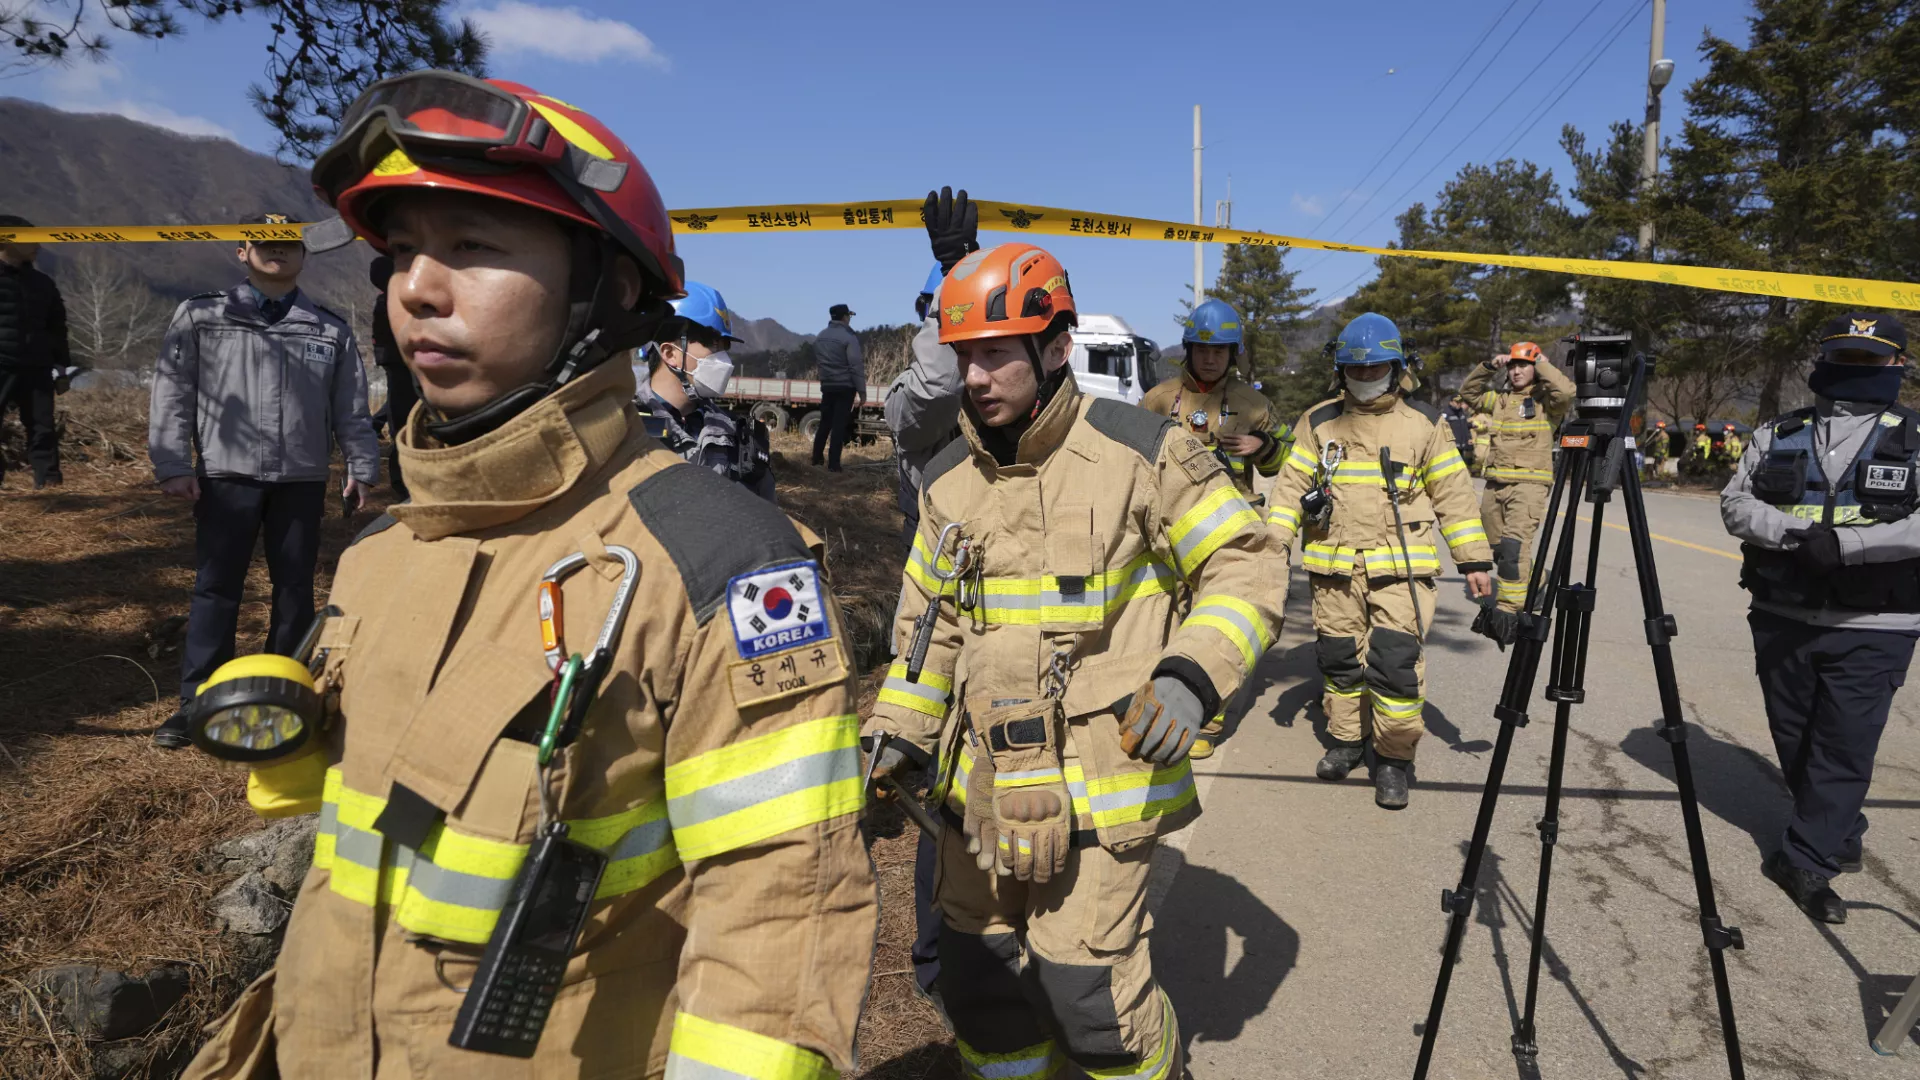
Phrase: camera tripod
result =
(1594, 461)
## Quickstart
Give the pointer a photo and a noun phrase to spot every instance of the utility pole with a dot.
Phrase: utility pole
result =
(1198, 249)
(1659, 73)
(1223, 208)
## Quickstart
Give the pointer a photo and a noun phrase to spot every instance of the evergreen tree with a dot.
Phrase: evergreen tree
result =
(1256, 281)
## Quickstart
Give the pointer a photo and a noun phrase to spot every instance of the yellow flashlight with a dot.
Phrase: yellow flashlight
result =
(255, 708)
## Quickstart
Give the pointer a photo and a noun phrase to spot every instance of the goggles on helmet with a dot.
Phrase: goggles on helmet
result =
(447, 121)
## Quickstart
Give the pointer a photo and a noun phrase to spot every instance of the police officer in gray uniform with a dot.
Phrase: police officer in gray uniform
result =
(1823, 502)
(254, 387)
(689, 370)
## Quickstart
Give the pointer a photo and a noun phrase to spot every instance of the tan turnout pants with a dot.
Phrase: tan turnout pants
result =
(1511, 514)
(1371, 658)
(1086, 958)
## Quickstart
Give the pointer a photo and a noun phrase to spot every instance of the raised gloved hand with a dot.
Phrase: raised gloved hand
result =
(953, 226)
(1161, 722)
(1818, 552)
(1032, 809)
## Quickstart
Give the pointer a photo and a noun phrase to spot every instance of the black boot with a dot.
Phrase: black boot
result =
(1390, 783)
(1849, 859)
(1808, 890)
(1501, 627)
(1340, 760)
(172, 735)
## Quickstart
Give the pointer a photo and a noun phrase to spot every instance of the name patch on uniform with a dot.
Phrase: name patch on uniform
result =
(319, 352)
(777, 608)
(1886, 478)
(784, 674)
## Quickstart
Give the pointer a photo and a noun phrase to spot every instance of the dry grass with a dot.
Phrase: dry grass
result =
(101, 835)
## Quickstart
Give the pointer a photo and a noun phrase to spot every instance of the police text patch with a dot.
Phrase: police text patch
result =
(1885, 478)
(777, 608)
(319, 352)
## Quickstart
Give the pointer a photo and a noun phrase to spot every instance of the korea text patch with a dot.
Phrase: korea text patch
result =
(777, 608)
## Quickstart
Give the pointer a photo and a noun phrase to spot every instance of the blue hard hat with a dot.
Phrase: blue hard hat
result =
(1369, 339)
(1214, 322)
(704, 306)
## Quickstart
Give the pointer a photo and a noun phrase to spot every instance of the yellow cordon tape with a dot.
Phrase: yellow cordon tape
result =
(1054, 221)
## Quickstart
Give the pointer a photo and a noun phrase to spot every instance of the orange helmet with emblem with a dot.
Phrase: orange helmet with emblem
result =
(452, 132)
(1525, 352)
(1005, 291)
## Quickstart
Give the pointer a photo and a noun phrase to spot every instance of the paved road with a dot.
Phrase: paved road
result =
(1300, 935)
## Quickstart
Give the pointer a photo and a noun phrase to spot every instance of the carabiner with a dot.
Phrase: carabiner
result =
(552, 621)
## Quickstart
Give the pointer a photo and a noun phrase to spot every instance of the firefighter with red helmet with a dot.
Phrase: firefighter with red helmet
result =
(1057, 689)
(702, 761)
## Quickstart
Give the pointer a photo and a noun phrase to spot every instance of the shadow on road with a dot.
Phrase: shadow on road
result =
(1214, 1000)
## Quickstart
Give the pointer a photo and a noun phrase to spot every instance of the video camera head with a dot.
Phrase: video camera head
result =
(1601, 372)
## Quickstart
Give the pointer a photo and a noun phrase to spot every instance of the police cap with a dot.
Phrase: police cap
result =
(1881, 335)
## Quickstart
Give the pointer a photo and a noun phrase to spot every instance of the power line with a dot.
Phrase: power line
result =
(1462, 96)
(1448, 156)
(1529, 123)
(1354, 189)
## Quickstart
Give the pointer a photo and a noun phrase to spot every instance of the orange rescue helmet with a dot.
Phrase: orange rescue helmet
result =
(1525, 352)
(1004, 291)
(1699, 427)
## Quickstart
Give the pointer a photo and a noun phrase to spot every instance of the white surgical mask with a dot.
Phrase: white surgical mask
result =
(710, 375)
(1365, 390)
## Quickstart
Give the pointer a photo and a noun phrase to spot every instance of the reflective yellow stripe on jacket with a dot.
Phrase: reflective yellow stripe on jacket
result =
(929, 697)
(1206, 527)
(1286, 517)
(1037, 1062)
(1103, 801)
(1033, 601)
(708, 1050)
(1511, 475)
(454, 886)
(1237, 621)
(1463, 532)
(1321, 557)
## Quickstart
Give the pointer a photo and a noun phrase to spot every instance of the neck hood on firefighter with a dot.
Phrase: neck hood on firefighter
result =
(519, 466)
(1031, 438)
(1856, 382)
(1367, 390)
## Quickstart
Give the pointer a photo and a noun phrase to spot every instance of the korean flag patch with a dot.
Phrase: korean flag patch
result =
(777, 608)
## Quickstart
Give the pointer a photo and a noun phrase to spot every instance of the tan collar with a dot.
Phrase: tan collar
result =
(525, 464)
(1379, 406)
(1043, 436)
(1187, 380)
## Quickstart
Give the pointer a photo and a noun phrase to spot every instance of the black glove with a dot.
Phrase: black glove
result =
(1818, 552)
(953, 226)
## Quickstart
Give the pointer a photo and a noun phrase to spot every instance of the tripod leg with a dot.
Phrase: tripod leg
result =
(1661, 629)
(1522, 670)
(1566, 686)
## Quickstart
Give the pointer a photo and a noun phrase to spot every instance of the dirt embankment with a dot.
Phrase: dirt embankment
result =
(103, 838)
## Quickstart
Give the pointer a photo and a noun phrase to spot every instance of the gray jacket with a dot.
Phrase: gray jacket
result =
(1840, 430)
(923, 411)
(250, 398)
(842, 365)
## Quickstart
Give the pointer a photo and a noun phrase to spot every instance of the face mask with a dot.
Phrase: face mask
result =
(1856, 382)
(711, 375)
(1366, 390)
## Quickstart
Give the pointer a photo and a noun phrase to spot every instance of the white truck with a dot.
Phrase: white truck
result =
(1111, 361)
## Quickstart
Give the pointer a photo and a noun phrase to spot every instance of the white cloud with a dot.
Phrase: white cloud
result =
(1310, 205)
(88, 86)
(564, 33)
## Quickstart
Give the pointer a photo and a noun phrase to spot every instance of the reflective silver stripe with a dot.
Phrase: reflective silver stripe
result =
(1203, 531)
(1094, 598)
(718, 800)
(1136, 796)
(1011, 1070)
(445, 886)
(643, 839)
(685, 1068)
(923, 691)
(357, 846)
(1256, 638)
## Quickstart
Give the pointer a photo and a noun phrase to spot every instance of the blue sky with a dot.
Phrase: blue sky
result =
(1079, 105)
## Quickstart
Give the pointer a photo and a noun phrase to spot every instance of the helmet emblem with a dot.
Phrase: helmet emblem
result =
(1865, 327)
(957, 312)
(697, 222)
(1020, 218)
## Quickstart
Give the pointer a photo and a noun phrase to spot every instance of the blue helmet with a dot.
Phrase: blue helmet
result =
(1369, 339)
(704, 306)
(1212, 323)
(927, 292)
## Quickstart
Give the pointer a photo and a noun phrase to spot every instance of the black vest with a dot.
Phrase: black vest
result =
(1882, 484)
